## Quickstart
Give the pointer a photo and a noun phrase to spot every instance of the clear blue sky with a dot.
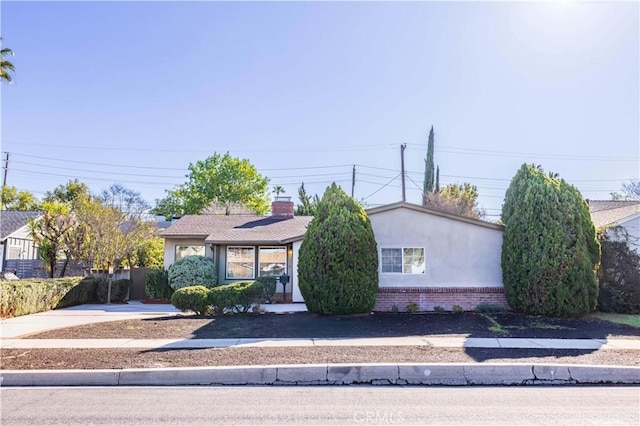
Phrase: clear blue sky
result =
(132, 92)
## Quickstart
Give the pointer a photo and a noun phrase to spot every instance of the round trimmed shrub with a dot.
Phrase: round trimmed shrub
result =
(194, 298)
(550, 252)
(338, 261)
(193, 270)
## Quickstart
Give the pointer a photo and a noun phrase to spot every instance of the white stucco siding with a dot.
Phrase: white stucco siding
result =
(632, 227)
(457, 254)
(170, 248)
(296, 296)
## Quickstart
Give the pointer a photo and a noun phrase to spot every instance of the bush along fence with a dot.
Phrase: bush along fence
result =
(24, 297)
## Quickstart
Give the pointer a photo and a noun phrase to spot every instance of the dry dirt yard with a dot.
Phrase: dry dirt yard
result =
(304, 325)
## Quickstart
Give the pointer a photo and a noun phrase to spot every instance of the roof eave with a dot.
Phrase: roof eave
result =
(183, 236)
(422, 209)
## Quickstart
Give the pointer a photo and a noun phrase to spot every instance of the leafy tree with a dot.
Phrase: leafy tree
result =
(456, 198)
(12, 199)
(105, 237)
(50, 233)
(309, 205)
(108, 231)
(124, 199)
(338, 261)
(170, 206)
(68, 193)
(219, 179)
(549, 253)
(150, 253)
(431, 173)
(6, 67)
(619, 273)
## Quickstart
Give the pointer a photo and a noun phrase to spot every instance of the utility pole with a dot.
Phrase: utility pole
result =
(353, 181)
(6, 168)
(404, 193)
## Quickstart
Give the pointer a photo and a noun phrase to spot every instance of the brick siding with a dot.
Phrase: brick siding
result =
(427, 298)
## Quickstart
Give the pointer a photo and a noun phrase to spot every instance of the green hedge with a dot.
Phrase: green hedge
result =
(193, 298)
(23, 297)
(237, 297)
(268, 286)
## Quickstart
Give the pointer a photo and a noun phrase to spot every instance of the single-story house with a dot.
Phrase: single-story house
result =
(613, 213)
(433, 259)
(18, 252)
(243, 246)
(426, 257)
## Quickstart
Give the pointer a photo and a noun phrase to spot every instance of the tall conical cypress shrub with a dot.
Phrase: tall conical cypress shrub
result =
(429, 170)
(338, 260)
(549, 251)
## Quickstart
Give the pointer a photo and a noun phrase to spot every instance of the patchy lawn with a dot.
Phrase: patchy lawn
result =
(628, 319)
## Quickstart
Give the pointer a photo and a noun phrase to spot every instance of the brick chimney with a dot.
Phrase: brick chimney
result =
(282, 208)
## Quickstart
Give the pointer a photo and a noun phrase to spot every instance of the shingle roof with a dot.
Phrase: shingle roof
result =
(239, 229)
(12, 220)
(609, 212)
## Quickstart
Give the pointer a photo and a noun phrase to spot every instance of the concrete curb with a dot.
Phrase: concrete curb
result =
(462, 374)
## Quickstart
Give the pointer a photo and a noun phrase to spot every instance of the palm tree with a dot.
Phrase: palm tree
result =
(278, 190)
(6, 67)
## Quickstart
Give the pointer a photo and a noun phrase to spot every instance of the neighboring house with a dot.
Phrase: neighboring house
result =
(625, 214)
(243, 247)
(432, 258)
(18, 252)
(426, 257)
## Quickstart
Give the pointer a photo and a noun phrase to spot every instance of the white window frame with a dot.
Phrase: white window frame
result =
(226, 263)
(175, 250)
(402, 253)
(286, 258)
(15, 248)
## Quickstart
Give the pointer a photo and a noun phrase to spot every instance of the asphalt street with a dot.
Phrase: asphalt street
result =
(310, 405)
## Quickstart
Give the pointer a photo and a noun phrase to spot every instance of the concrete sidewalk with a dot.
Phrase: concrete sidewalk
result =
(436, 342)
(13, 328)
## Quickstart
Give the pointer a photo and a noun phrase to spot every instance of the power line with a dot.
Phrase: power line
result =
(182, 150)
(262, 170)
(169, 168)
(97, 171)
(475, 151)
(161, 176)
(382, 187)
